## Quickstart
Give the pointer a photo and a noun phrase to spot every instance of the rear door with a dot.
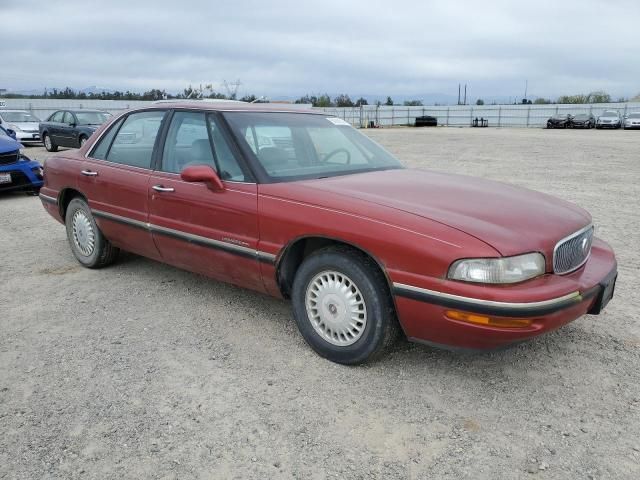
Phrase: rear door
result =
(115, 179)
(212, 233)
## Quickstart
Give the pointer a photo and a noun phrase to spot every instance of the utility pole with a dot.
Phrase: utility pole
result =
(458, 94)
(465, 94)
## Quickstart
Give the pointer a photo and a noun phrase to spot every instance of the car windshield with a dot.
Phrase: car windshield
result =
(561, 116)
(295, 146)
(610, 113)
(18, 117)
(91, 118)
(581, 116)
(634, 115)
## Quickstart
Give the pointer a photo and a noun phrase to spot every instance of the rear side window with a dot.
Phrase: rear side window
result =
(101, 150)
(134, 142)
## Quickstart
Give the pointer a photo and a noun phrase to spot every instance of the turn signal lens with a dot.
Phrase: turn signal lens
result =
(488, 321)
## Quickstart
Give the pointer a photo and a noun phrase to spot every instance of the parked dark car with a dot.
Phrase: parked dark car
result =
(70, 128)
(426, 121)
(560, 120)
(583, 120)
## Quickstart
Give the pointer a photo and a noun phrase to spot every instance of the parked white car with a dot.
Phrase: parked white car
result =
(23, 123)
(632, 121)
(609, 119)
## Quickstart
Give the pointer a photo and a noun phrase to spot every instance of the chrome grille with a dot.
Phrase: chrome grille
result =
(571, 252)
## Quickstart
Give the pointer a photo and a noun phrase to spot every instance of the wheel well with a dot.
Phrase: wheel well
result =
(297, 251)
(65, 197)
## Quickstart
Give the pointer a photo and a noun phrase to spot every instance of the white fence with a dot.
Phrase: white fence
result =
(464, 115)
(452, 116)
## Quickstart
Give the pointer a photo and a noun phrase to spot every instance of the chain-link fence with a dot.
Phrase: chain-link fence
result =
(452, 116)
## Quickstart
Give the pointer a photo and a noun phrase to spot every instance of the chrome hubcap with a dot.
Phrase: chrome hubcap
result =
(47, 142)
(336, 308)
(84, 237)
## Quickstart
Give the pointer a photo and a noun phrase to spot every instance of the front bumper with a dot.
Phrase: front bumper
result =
(26, 137)
(22, 176)
(608, 125)
(549, 302)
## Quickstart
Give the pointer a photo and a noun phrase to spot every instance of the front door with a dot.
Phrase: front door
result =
(66, 130)
(194, 227)
(115, 179)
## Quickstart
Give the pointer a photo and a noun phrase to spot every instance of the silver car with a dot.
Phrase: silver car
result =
(23, 123)
(632, 121)
(609, 119)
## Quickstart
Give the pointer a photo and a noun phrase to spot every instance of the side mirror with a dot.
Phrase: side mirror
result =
(205, 174)
(12, 133)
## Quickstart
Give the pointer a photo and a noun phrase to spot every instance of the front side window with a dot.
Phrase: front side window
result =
(134, 142)
(56, 117)
(68, 118)
(292, 146)
(195, 139)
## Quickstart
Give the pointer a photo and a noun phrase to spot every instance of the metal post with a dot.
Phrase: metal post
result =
(448, 116)
(470, 114)
(361, 116)
(528, 115)
(499, 115)
(408, 116)
(392, 116)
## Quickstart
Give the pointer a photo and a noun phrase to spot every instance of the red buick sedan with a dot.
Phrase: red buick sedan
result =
(300, 205)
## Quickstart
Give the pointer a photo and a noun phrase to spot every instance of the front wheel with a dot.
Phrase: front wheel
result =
(88, 244)
(342, 306)
(48, 143)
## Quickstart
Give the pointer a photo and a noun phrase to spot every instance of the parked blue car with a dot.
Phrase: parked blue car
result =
(17, 172)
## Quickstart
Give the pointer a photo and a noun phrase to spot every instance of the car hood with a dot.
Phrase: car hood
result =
(511, 219)
(602, 117)
(9, 145)
(26, 125)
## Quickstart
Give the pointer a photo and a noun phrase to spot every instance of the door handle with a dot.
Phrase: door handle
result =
(89, 173)
(160, 188)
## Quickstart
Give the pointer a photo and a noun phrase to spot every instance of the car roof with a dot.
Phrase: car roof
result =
(232, 106)
(81, 110)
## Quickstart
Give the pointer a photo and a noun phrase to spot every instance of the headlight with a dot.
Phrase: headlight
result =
(498, 270)
(15, 128)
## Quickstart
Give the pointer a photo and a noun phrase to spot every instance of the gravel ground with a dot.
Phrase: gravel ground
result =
(145, 371)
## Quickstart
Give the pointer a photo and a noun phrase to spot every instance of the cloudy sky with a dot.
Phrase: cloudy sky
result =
(287, 48)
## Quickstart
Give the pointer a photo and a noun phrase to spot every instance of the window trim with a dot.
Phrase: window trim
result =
(124, 116)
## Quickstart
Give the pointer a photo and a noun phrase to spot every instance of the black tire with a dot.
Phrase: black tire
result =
(549, 125)
(48, 143)
(102, 253)
(381, 327)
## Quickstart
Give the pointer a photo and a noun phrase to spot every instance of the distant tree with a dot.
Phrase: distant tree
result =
(599, 97)
(636, 98)
(479, 102)
(343, 100)
(361, 101)
(412, 103)
(305, 99)
(389, 101)
(542, 101)
(622, 100)
(249, 98)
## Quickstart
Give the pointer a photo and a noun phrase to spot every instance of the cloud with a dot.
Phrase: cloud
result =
(286, 48)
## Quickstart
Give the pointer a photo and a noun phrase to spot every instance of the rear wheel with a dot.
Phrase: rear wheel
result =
(88, 244)
(342, 306)
(48, 143)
